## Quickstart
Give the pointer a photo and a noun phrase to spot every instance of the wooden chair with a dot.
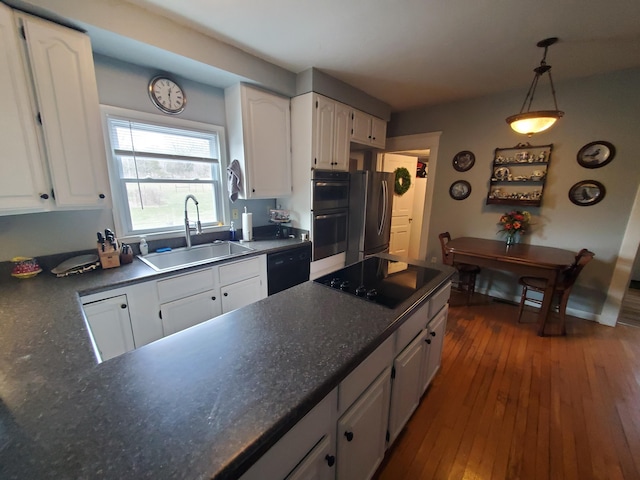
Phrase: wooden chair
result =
(466, 273)
(562, 289)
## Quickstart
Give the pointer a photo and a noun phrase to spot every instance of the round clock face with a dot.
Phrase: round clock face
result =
(167, 95)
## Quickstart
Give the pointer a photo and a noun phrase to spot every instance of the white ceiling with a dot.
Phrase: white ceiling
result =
(414, 53)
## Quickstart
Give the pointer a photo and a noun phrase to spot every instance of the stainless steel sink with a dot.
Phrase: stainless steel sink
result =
(199, 255)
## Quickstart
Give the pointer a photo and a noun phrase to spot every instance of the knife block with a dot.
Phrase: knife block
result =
(110, 258)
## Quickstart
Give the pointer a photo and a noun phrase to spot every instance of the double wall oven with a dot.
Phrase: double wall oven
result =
(330, 212)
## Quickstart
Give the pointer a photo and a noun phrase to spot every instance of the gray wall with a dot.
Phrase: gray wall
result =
(597, 108)
(123, 85)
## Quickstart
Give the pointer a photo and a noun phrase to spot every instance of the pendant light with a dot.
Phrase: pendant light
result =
(537, 121)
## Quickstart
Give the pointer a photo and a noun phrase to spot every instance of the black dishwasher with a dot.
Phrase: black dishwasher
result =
(289, 268)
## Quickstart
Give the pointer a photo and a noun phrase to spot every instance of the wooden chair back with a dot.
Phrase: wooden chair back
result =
(570, 275)
(444, 239)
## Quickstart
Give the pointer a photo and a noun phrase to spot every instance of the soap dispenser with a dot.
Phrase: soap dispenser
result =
(144, 247)
(232, 232)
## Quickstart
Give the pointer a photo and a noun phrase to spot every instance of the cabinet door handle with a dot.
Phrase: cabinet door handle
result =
(428, 340)
(44, 196)
(225, 294)
(433, 334)
(331, 460)
(124, 305)
(349, 436)
(101, 195)
(213, 298)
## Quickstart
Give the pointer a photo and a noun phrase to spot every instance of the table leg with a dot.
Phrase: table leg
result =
(547, 302)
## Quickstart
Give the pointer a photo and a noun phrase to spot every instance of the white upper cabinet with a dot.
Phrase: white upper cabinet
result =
(23, 184)
(367, 129)
(321, 132)
(60, 64)
(259, 131)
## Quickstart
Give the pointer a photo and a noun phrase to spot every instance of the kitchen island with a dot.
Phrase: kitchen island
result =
(206, 402)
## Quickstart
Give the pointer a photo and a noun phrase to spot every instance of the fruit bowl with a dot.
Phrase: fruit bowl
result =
(25, 267)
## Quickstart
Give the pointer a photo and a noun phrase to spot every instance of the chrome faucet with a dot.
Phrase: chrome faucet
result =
(187, 227)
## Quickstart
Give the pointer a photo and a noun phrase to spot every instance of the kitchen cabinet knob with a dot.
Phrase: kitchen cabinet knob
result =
(101, 195)
(433, 334)
(428, 340)
(213, 298)
(331, 460)
(44, 196)
(349, 436)
(124, 305)
(225, 294)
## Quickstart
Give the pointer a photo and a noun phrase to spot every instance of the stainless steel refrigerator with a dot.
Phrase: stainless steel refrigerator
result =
(370, 200)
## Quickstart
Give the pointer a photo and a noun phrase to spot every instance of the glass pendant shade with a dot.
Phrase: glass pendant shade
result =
(529, 122)
(534, 122)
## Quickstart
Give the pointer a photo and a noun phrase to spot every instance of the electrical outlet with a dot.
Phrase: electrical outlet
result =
(234, 213)
(434, 259)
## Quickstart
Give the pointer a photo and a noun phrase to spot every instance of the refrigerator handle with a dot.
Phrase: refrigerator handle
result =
(384, 207)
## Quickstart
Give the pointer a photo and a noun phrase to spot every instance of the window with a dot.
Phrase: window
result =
(154, 166)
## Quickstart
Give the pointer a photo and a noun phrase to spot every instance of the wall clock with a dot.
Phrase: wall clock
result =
(167, 95)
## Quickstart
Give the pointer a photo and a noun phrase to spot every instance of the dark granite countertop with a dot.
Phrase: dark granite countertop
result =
(203, 403)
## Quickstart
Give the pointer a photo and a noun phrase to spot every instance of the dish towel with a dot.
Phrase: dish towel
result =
(235, 180)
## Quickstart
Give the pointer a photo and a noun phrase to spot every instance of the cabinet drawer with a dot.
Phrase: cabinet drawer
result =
(185, 285)
(439, 299)
(364, 374)
(236, 271)
(412, 326)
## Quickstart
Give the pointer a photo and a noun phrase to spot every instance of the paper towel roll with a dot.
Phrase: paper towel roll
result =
(247, 226)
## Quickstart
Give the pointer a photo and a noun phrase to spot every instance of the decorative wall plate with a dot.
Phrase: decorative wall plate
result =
(464, 160)
(501, 173)
(587, 193)
(460, 190)
(596, 154)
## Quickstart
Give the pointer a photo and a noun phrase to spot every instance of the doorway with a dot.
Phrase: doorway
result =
(421, 148)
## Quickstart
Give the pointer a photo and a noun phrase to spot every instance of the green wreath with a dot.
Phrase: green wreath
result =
(403, 181)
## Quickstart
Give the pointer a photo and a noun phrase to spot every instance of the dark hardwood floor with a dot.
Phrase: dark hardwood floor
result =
(508, 404)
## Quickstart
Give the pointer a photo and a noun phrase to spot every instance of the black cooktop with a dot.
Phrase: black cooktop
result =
(379, 280)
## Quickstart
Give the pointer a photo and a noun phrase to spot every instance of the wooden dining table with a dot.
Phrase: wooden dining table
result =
(522, 259)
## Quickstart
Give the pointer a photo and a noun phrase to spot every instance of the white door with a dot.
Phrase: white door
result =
(362, 432)
(435, 337)
(405, 389)
(402, 209)
(342, 141)
(23, 186)
(268, 143)
(317, 465)
(189, 311)
(324, 133)
(110, 326)
(67, 93)
(241, 293)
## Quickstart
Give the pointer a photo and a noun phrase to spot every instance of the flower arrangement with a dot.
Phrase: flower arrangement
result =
(514, 222)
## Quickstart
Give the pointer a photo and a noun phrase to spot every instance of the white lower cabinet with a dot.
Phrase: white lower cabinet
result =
(243, 282)
(122, 319)
(407, 385)
(189, 311)
(192, 298)
(362, 430)
(434, 340)
(318, 464)
(368, 410)
(110, 326)
(307, 451)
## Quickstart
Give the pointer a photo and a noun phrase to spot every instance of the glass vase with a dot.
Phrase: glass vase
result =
(512, 238)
